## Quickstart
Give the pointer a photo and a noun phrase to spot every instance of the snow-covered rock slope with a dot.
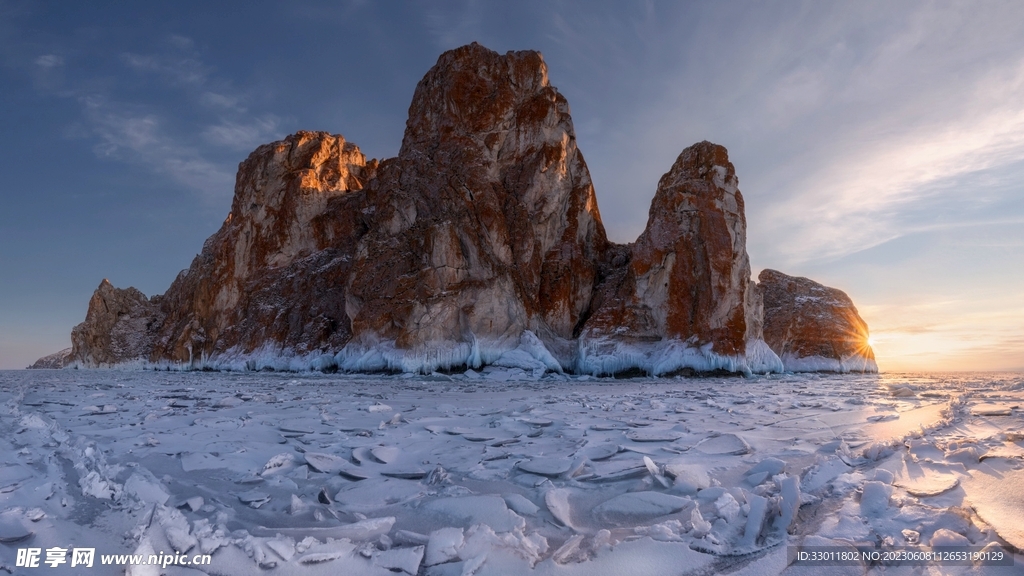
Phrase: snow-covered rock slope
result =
(53, 361)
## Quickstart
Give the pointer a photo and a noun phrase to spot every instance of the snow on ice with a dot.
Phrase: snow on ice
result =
(516, 469)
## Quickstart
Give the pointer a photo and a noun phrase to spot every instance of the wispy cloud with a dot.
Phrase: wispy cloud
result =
(152, 131)
(181, 71)
(224, 101)
(49, 61)
(925, 116)
(857, 201)
(182, 42)
(138, 137)
(242, 135)
(453, 27)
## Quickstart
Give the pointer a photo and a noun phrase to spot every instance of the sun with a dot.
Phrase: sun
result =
(871, 341)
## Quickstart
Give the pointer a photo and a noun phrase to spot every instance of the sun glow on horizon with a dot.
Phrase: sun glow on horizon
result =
(947, 334)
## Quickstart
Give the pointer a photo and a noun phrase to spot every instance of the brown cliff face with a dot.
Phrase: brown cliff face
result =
(251, 286)
(120, 326)
(688, 277)
(813, 327)
(487, 219)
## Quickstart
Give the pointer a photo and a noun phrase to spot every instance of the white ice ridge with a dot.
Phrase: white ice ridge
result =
(527, 352)
(605, 357)
(852, 363)
(596, 357)
(761, 359)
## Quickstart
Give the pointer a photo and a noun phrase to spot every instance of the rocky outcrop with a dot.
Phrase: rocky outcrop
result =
(53, 361)
(813, 327)
(121, 326)
(274, 275)
(487, 221)
(685, 299)
(480, 243)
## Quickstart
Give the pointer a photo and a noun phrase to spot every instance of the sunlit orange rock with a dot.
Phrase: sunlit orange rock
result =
(485, 226)
(272, 278)
(813, 327)
(274, 275)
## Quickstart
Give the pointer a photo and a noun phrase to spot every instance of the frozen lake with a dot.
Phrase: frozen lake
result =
(283, 473)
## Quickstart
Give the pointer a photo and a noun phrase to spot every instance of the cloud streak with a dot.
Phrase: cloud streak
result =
(176, 71)
(244, 136)
(859, 200)
(49, 61)
(142, 138)
(147, 133)
(882, 132)
(449, 27)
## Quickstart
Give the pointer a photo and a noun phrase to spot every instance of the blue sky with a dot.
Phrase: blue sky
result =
(879, 145)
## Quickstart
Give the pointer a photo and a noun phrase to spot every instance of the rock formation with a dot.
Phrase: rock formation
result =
(53, 361)
(685, 299)
(274, 274)
(120, 326)
(480, 243)
(813, 327)
(487, 220)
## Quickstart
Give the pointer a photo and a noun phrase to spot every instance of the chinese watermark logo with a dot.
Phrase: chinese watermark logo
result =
(30, 557)
(85, 557)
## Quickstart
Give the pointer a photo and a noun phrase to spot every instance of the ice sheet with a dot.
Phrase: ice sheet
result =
(505, 470)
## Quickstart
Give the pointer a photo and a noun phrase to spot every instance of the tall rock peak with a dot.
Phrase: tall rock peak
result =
(294, 200)
(688, 278)
(281, 187)
(488, 216)
(474, 92)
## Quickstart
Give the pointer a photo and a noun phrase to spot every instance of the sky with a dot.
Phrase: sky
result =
(879, 145)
